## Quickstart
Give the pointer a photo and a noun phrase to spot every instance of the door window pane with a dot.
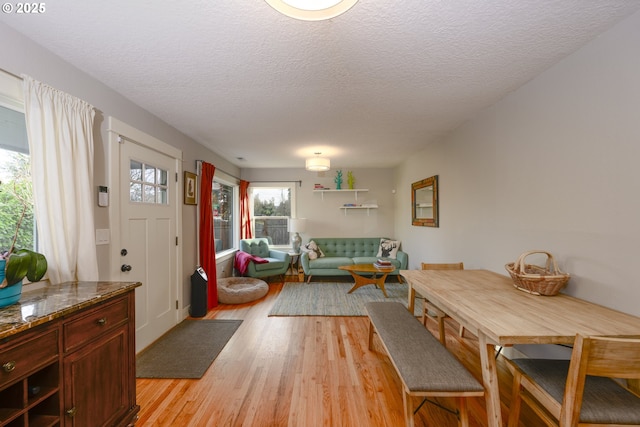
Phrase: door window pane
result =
(162, 196)
(149, 194)
(135, 192)
(148, 184)
(150, 174)
(162, 177)
(135, 171)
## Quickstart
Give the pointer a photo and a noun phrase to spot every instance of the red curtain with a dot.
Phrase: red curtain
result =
(245, 216)
(207, 242)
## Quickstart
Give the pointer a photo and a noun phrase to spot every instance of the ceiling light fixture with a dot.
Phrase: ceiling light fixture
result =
(317, 164)
(312, 10)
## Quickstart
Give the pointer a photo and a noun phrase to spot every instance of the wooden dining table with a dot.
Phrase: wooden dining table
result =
(487, 304)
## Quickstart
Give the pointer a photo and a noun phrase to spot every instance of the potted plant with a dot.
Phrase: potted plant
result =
(16, 264)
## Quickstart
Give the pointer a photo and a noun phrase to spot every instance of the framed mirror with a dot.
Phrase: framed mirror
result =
(424, 202)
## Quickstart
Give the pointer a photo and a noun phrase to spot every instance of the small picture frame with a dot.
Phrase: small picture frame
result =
(190, 188)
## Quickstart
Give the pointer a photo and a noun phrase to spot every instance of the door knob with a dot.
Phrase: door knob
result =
(123, 252)
(125, 267)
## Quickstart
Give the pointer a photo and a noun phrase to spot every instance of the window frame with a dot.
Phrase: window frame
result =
(12, 98)
(235, 215)
(292, 185)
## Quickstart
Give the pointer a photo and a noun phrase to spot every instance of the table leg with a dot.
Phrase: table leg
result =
(363, 280)
(412, 298)
(490, 381)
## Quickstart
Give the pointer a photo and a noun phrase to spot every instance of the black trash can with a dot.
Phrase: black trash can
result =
(198, 293)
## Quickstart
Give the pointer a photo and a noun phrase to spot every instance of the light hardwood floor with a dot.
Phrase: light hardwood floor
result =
(300, 372)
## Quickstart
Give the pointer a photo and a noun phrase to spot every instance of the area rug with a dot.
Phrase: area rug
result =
(333, 299)
(187, 350)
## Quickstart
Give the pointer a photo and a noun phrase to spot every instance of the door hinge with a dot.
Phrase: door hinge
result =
(176, 240)
(176, 304)
(176, 176)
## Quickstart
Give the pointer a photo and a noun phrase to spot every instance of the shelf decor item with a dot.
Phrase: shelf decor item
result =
(350, 180)
(536, 280)
(296, 226)
(338, 180)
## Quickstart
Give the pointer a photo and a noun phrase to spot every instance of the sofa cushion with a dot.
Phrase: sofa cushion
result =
(257, 247)
(388, 248)
(330, 262)
(273, 264)
(348, 247)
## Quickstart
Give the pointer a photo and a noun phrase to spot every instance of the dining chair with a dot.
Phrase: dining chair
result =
(587, 390)
(429, 310)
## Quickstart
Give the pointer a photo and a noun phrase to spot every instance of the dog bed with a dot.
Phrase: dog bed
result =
(239, 290)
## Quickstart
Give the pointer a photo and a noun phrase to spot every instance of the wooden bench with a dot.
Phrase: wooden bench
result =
(425, 367)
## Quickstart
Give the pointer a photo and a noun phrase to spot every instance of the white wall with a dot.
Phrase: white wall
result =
(552, 166)
(324, 216)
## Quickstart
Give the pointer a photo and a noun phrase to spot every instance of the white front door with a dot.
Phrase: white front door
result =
(147, 247)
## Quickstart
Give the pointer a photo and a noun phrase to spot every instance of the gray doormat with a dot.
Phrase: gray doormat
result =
(333, 299)
(187, 350)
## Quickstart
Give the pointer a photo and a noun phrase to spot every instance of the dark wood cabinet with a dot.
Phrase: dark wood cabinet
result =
(77, 370)
(30, 379)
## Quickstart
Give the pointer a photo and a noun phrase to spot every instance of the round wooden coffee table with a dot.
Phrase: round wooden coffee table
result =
(360, 280)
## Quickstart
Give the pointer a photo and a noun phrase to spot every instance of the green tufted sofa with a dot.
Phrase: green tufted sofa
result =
(344, 251)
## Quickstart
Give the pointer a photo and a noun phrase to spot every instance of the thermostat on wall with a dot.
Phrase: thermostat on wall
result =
(103, 196)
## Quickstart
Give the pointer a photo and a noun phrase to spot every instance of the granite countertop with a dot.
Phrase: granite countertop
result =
(43, 302)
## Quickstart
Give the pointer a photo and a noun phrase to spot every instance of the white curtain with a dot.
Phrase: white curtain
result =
(60, 133)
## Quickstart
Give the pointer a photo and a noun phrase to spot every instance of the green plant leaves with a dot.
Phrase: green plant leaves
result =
(38, 267)
(25, 263)
(17, 267)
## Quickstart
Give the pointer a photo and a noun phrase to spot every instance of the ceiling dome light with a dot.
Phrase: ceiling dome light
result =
(317, 164)
(312, 10)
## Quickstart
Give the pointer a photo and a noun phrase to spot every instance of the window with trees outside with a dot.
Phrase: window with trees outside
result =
(16, 194)
(272, 206)
(225, 222)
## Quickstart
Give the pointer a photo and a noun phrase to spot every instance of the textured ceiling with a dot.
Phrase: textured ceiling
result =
(367, 88)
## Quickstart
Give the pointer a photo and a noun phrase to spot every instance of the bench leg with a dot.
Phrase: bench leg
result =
(408, 409)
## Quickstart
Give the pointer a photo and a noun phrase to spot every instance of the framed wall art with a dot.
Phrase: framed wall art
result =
(190, 188)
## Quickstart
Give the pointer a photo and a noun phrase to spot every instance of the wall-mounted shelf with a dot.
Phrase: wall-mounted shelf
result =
(355, 190)
(346, 208)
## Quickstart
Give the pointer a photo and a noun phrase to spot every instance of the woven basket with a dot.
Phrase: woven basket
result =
(548, 280)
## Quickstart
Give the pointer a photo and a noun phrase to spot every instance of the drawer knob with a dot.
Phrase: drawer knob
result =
(71, 412)
(102, 321)
(9, 366)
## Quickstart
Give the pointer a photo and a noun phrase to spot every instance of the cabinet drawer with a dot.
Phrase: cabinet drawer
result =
(94, 323)
(30, 355)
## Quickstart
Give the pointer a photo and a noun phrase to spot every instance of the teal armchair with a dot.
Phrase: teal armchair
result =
(277, 262)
